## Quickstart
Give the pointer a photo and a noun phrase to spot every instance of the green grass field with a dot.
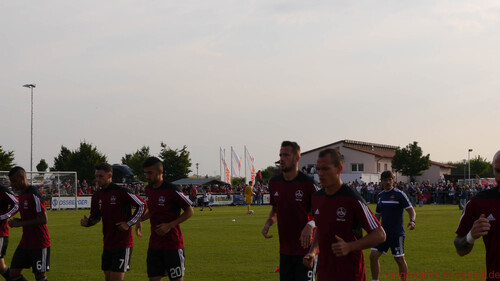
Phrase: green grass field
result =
(218, 248)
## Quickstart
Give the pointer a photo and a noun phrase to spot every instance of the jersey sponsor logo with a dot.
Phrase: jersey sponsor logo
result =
(341, 212)
(112, 200)
(298, 195)
(491, 218)
(276, 194)
(161, 201)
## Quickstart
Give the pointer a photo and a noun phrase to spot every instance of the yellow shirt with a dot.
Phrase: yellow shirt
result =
(248, 191)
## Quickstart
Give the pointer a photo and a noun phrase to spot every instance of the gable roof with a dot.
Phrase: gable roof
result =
(381, 150)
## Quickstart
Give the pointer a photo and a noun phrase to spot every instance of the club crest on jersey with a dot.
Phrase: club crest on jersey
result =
(112, 200)
(393, 197)
(298, 195)
(341, 212)
(161, 201)
(25, 204)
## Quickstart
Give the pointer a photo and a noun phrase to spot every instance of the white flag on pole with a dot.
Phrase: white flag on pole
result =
(236, 164)
(250, 167)
(226, 174)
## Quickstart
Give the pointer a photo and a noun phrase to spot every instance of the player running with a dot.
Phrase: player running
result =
(340, 212)
(114, 205)
(291, 193)
(166, 243)
(34, 249)
(390, 205)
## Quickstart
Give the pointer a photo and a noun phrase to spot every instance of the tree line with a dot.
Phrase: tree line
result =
(176, 162)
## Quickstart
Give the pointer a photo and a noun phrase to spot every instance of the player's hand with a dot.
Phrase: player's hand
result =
(265, 230)
(84, 221)
(138, 229)
(411, 225)
(15, 222)
(308, 260)
(122, 226)
(481, 227)
(340, 248)
(163, 228)
(306, 236)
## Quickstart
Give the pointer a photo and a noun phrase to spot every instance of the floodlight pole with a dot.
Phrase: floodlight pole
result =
(470, 150)
(197, 175)
(31, 86)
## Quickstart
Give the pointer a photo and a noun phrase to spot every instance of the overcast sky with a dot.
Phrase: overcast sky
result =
(210, 74)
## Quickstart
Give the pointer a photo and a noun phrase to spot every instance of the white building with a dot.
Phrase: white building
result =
(365, 161)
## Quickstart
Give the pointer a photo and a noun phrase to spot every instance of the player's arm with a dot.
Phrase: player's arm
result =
(412, 215)
(138, 225)
(372, 239)
(140, 206)
(308, 259)
(95, 215)
(40, 219)
(13, 204)
(164, 228)
(464, 244)
(271, 219)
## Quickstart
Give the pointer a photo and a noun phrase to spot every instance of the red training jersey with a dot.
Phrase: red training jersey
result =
(342, 214)
(165, 204)
(292, 200)
(9, 205)
(485, 202)
(30, 205)
(114, 204)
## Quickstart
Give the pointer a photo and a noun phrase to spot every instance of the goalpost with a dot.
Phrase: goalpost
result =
(59, 189)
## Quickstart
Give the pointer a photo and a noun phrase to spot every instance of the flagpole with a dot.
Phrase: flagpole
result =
(220, 162)
(231, 164)
(245, 152)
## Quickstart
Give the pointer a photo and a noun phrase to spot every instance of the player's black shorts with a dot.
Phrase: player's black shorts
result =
(116, 260)
(4, 242)
(38, 259)
(396, 243)
(293, 269)
(166, 262)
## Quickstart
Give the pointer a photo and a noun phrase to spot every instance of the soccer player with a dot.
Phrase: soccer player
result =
(479, 219)
(248, 196)
(114, 205)
(166, 243)
(390, 205)
(340, 212)
(9, 205)
(34, 248)
(291, 193)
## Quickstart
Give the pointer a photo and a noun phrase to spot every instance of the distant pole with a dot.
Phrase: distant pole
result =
(31, 86)
(470, 150)
(465, 164)
(197, 174)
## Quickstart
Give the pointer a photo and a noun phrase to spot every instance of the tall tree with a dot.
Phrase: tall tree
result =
(176, 162)
(61, 160)
(6, 159)
(82, 160)
(42, 166)
(135, 161)
(410, 160)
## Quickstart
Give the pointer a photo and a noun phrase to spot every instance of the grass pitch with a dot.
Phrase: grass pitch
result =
(226, 244)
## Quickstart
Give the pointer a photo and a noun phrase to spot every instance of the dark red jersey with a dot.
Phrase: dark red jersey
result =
(165, 204)
(114, 204)
(292, 200)
(9, 205)
(342, 214)
(30, 205)
(485, 202)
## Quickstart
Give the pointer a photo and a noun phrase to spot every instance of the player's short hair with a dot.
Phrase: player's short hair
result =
(386, 175)
(337, 158)
(153, 161)
(295, 146)
(17, 170)
(104, 167)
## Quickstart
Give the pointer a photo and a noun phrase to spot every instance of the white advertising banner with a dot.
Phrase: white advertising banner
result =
(69, 202)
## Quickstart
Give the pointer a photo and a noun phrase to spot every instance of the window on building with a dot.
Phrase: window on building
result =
(385, 167)
(378, 167)
(356, 167)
